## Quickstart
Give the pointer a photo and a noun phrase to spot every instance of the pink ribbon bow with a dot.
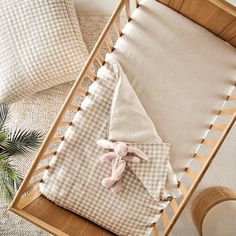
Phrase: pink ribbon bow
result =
(119, 158)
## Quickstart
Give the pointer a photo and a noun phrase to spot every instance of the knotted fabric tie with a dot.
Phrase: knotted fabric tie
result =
(119, 157)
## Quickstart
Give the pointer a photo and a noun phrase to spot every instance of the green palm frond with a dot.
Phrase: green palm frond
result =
(3, 136)
(22, 141)
(13, 143)
(10, 178)
(4, 115)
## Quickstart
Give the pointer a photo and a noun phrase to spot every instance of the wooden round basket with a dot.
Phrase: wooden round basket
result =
(206, 200)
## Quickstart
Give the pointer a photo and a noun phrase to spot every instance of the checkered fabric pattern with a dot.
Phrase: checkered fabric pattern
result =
(40, 46)
(73, 180)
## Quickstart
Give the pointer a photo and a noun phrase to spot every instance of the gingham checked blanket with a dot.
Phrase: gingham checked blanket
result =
(74, 179)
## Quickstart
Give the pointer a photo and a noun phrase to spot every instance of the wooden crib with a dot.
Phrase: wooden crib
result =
(217, 16)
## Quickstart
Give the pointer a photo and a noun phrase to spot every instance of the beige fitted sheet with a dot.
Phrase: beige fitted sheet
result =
(181, 72)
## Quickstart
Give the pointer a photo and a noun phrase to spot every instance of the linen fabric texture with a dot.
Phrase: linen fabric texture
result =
(181, 72)
(73, 180)
(40, 46)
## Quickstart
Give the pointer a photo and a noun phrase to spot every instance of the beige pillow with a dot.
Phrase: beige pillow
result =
(40, 46)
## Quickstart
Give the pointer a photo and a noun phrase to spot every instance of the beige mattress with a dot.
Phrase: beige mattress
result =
(181, 72)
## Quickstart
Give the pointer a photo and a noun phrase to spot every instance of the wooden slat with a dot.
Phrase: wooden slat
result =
(31, 185)
(28, 198)
(210, 143)
(100, 59)
(57, 139)
(48, 154)
(117, 26)
(127, 10)
(174, 205)
(64, 123)
(165, 218)
(183, 189)
(109, 43)
(73, 107)
(91, 75)
(40, 170)
(82, 91)
(155, 230)
(192, 175)
(110, 47)
(200, 158)
(232, 97)
(227, 111)
(219, 127)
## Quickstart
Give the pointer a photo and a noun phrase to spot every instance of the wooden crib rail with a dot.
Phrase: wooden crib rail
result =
(29, 189)
(168, 222)
(218, 16)
(87, 71)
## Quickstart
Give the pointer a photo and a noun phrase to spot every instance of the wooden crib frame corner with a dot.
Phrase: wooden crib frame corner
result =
(29, 191)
